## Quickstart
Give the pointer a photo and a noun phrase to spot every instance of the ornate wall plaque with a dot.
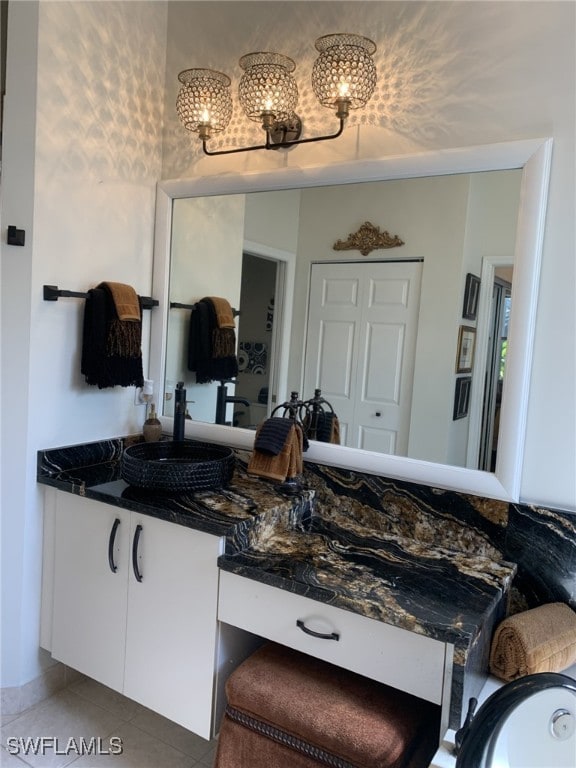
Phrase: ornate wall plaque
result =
(367, 239)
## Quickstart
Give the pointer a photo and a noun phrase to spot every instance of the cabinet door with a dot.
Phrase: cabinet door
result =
(171, 629)
(89, 609)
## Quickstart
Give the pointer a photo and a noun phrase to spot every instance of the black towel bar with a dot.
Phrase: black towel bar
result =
(178, 305)
(53, 293)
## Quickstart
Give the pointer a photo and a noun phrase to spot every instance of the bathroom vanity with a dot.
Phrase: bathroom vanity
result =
(161, 595)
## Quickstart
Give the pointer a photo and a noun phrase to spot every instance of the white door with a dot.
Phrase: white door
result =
(171, 628)
(361, 342)
(89, 619)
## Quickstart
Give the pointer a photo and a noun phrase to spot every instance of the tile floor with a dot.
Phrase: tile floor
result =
(87, 709)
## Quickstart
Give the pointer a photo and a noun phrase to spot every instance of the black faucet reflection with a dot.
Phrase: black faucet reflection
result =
(223, 399)
(179, 412)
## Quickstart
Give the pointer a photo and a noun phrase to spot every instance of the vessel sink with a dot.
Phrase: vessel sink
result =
(177, 466)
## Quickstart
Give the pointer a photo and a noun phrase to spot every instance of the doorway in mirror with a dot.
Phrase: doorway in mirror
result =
(495, 369)
(256, 339)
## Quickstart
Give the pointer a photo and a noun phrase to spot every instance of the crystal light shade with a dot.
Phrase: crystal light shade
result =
(343, 78)
(204, 103)
(344, 70)
(267, 86)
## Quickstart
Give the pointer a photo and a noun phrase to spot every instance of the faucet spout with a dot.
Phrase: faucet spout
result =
(241, 400)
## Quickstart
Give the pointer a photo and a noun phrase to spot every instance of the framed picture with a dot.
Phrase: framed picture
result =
(471, 291)
(461, 397)
(465, 357)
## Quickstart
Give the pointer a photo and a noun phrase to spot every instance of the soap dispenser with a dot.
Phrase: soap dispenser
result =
(152, 428)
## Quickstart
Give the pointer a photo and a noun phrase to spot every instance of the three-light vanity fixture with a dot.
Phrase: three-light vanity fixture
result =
(343, 78)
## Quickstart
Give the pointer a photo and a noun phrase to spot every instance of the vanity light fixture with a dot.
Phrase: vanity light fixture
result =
(343, 78)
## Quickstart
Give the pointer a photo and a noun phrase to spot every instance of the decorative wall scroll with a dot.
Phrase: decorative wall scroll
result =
(367, 239)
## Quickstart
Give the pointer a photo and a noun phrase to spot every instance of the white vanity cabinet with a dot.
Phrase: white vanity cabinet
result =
(155, 639)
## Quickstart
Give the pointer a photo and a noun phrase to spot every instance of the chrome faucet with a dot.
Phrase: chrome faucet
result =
(179, 412)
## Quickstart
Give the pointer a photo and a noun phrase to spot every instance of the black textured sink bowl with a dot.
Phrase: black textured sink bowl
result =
(177, 466)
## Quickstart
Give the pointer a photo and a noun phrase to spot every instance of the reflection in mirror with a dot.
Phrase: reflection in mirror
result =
(531, 157)
(378, 333)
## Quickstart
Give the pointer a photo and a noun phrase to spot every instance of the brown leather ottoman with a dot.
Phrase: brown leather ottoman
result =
(289, 710)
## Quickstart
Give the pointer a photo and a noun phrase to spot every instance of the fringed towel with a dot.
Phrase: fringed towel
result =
(212, 341)
(276, 458)
(542, 639)
(112, 337)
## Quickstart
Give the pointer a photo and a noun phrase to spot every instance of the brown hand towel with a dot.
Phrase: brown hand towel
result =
(224, 312)
(296, 464)
(270, 466)
(125, 300)
(542, 639)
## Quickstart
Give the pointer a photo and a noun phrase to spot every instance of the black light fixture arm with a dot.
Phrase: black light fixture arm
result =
(270, 144)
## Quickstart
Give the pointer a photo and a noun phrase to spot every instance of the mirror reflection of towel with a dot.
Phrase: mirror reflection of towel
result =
(211, 349)
(328, 428)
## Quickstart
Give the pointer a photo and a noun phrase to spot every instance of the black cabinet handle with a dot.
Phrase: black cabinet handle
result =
(111, 541)
(323, 636)
(135, 543)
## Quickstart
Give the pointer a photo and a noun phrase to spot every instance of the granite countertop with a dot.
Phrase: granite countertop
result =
(437, 592)
(304, 543)
(93, 470)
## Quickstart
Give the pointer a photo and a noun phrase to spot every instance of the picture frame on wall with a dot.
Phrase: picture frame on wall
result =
(461, 397)
(471, 293)
(466, 343)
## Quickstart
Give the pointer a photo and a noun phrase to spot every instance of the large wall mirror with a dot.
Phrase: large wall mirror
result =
(265, 242)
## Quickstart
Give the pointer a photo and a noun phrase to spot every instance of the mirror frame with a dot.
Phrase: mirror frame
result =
(531, 155)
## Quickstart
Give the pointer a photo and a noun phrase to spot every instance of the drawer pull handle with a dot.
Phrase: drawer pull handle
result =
(322, 635)
(111, 541)
(135, 543)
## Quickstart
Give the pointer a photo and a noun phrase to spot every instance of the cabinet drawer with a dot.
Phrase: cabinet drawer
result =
(394, 656)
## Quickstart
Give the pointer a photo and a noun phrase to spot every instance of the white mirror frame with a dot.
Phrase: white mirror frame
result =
(533, 156)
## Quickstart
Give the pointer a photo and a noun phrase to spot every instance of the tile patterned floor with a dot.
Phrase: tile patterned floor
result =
(87, 709)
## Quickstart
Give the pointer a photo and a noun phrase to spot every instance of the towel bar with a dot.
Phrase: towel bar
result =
(53, 293)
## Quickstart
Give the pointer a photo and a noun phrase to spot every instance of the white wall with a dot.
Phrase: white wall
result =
(451, 74)
(207, 238)
(82, 155)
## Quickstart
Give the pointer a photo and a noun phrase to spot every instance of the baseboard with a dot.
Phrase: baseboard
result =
(16, 699)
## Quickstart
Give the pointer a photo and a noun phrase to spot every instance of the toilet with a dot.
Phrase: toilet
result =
(527, 723)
